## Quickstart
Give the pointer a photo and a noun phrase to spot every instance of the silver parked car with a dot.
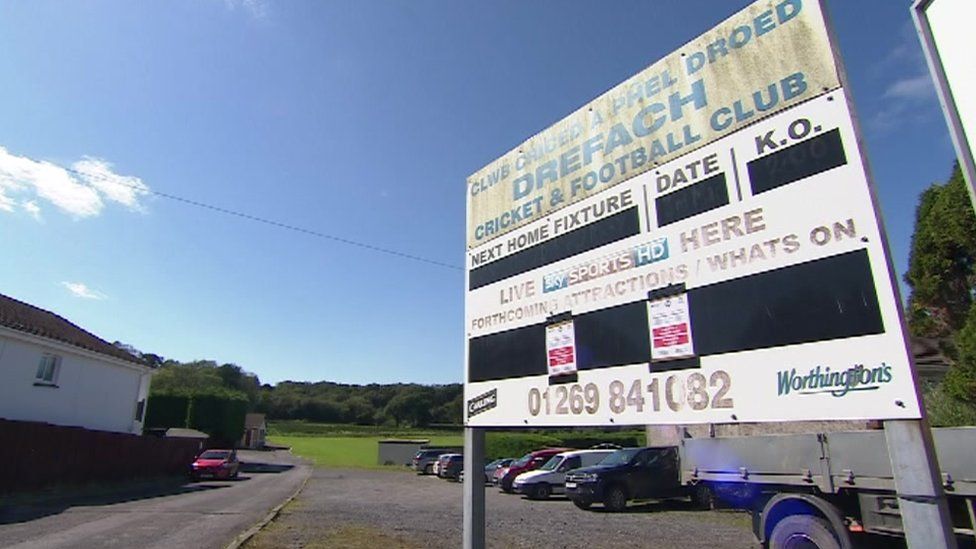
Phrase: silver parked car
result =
(423, 461)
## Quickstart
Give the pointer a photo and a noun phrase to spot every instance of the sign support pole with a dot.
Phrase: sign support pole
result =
(911, 450)
(952, 115)
(924, 511)
(474, 488)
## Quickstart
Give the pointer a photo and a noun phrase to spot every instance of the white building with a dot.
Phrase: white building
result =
(55, 372)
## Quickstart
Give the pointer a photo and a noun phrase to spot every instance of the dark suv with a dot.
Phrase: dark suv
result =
(627, 474)
(451, 467)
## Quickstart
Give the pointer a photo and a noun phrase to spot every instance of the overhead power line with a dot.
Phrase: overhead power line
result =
(266, 221)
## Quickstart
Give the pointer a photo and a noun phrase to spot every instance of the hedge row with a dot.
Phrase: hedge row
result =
(504, 444)
(165, 411)
(220, 416)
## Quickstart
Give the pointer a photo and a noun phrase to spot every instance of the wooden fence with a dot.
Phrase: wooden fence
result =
(33, 455)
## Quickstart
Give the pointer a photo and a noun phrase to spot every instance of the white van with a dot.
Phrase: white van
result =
(551, 477)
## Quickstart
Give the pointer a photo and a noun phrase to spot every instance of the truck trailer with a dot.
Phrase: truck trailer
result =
(825, 490)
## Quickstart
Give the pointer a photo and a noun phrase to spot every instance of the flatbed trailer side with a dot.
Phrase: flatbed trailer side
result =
(841, 481)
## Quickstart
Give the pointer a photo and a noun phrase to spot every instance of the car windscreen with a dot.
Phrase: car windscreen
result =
(620, 457)
(214, 454)
(551, 465)
(524, 460)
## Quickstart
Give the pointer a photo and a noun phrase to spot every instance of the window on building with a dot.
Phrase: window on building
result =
(140, 409)
(47, 369)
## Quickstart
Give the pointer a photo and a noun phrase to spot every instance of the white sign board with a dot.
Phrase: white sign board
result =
(945, 29)
(768, 238)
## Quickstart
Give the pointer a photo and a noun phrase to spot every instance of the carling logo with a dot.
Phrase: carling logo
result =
(638, 256)
(483, 402)
(837, 383)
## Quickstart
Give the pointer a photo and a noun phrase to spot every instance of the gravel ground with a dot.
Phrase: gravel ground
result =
(386, 509)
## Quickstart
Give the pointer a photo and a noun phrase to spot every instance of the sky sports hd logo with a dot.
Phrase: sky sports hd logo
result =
(638, 256)
(837, 383)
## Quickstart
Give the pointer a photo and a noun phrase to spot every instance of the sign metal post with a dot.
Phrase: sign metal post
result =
(474, 488)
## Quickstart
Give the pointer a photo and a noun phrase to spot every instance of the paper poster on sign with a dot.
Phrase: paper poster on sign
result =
(561, 348)
(670, 325)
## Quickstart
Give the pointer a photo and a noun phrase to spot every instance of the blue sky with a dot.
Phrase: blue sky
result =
(359, 120)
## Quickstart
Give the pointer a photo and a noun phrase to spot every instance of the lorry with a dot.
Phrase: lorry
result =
(823, 490)
(824, 487)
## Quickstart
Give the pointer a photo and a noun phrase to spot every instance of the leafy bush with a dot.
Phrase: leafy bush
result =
(960, 380)
(946, 411)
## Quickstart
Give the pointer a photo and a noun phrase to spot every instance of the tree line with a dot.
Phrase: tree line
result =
(942, 304)
(400, 404)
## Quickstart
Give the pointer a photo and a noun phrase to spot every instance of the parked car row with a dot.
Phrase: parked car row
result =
(611, 477)
(438, 462)
(550, 478)
(608, 475)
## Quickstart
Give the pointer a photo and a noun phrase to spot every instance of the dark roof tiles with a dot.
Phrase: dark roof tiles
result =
(27, 318)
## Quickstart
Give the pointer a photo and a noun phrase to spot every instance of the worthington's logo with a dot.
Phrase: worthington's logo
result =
(839, 383)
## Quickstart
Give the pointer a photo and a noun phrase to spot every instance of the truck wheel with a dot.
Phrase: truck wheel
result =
(583, 504)
(615, 499)
(541, 491)
(703, 498)
(802, 532)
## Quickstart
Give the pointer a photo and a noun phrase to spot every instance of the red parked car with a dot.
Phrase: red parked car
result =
(528, 462)
(215, 464)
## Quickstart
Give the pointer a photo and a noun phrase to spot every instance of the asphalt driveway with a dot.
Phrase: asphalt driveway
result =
(202, 514)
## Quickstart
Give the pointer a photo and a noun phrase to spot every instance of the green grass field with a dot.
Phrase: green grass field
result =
(328, 445)
(331, 446)
(358, 452)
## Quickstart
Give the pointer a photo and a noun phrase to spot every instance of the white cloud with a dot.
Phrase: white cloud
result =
(915, 88)
(125, 190)
(909, 95)
(80, 191)
(32, 208)
(6, 203)
(79, 289)
(258, 9)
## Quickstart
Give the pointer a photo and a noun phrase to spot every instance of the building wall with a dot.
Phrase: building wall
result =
(397, 453)
(88, 392)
